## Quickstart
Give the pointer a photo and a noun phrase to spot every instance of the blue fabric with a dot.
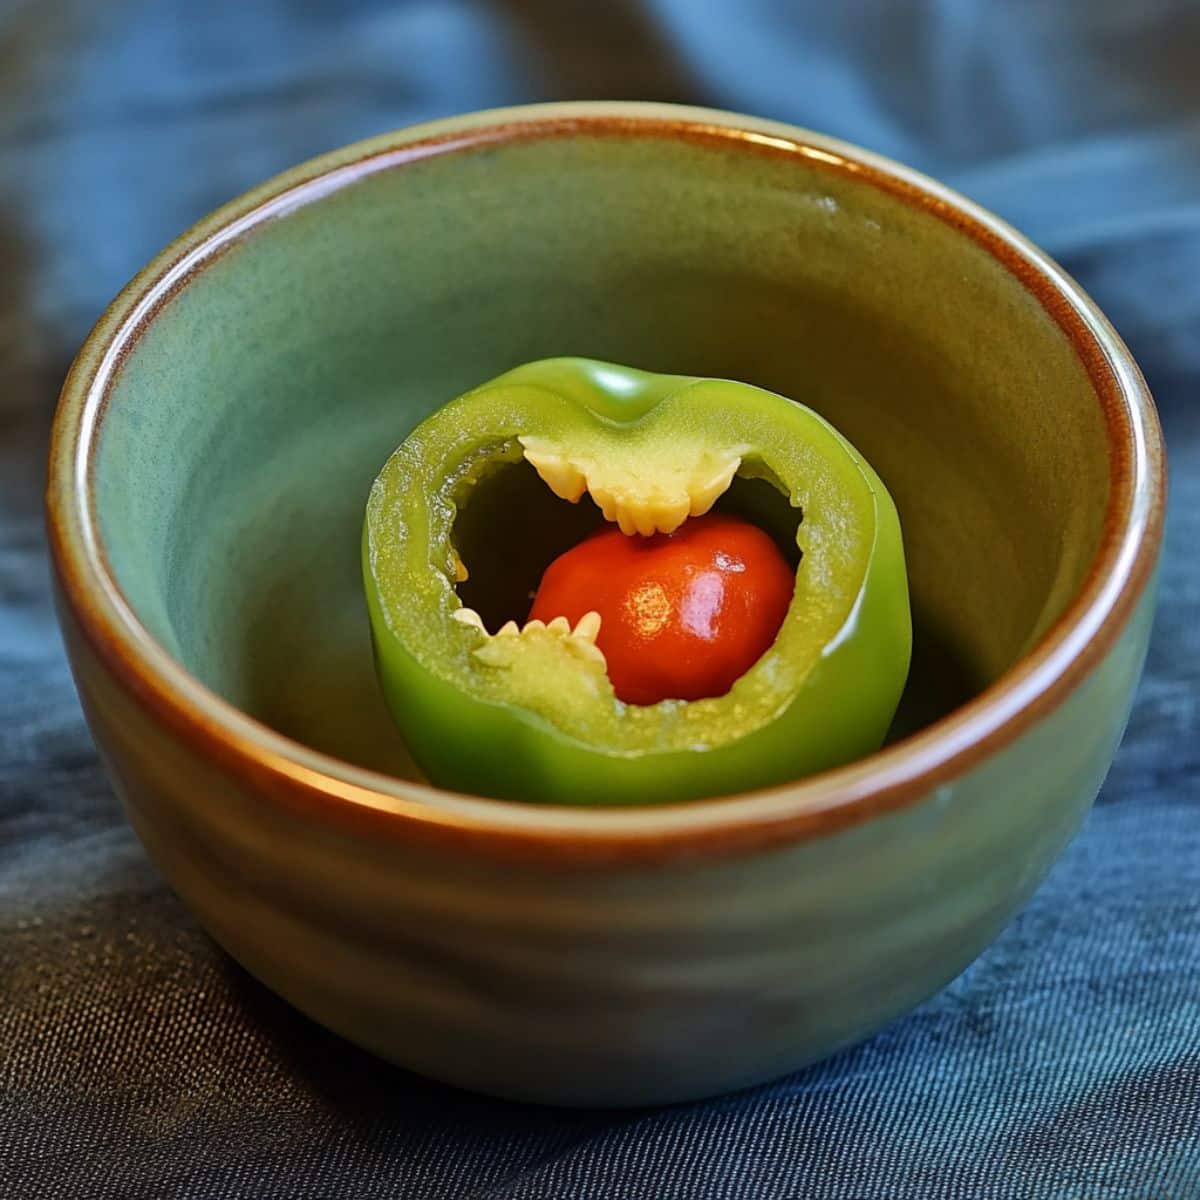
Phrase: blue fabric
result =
(135, 1061)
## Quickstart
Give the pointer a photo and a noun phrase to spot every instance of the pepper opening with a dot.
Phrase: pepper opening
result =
(763, 503)
(510, 527)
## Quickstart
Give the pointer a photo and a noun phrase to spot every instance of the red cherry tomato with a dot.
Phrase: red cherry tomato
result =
(682, 615)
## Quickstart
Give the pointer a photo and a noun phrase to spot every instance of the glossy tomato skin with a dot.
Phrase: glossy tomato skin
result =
(682, 615)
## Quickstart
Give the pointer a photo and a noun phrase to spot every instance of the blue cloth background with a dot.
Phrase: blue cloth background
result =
(136, 1061)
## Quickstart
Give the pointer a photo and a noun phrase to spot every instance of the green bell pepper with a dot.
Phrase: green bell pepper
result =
(529, 714)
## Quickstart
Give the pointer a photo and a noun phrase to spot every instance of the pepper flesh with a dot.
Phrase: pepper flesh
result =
(530, 713)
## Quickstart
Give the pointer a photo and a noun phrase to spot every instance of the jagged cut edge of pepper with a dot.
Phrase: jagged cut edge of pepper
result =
(637, 509)
(581, 640)
(636, 505)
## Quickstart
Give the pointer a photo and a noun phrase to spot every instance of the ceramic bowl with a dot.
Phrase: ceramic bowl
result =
(212, 453)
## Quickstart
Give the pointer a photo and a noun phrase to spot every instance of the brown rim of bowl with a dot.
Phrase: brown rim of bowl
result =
(323, 787)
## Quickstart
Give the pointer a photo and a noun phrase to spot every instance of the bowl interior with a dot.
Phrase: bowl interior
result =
(248, 420)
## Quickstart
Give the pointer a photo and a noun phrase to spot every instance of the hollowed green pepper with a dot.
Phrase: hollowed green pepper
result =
(529, 713)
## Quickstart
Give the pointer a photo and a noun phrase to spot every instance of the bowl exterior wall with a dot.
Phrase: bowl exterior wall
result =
(607, 984)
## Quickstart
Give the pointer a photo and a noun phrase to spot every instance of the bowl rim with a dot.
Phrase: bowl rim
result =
(325, 788)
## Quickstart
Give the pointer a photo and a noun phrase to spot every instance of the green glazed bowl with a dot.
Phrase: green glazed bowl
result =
(213, 450)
